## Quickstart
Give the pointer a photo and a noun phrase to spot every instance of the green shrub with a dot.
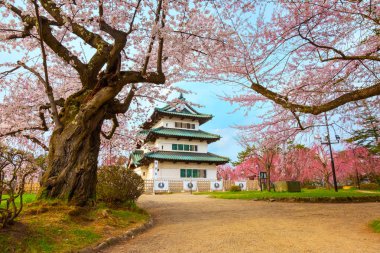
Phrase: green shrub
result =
(235, 188)
(117, 185)
(370, 186)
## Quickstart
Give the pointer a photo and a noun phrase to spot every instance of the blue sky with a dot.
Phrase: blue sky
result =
(225, 115)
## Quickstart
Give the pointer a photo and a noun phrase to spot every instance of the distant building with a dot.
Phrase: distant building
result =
(180, 147)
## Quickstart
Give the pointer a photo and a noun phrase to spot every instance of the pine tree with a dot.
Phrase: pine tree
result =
(368, 134)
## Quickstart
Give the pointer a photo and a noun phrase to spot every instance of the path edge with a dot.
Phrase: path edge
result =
(355, 199)
(130, 234)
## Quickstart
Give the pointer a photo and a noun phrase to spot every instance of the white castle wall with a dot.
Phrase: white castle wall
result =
(166, 144)
(170, 123)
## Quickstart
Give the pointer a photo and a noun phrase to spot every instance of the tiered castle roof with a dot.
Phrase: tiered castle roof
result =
(139, 158)
(187, 112)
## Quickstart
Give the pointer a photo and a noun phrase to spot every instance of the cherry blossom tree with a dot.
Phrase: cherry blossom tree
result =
(266, 157)
(226, 172)
(16, 167)
(293, 163)
(302, 58)
(86, 71)
(248, 169)
(355, 163)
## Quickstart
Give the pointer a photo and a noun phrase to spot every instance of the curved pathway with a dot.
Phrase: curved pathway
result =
(196, 223)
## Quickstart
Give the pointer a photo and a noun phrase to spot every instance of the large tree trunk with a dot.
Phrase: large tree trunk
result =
(73, 158)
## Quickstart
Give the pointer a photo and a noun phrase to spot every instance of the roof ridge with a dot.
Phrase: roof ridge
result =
(218, 155)
(154, 130)
(197, 113)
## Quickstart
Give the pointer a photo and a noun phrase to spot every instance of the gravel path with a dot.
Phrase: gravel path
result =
(196, 223)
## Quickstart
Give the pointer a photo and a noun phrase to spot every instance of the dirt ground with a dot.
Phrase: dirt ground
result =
(194, 223)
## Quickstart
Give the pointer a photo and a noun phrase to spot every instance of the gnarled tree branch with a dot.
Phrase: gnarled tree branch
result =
(114, 127)
(355, 95)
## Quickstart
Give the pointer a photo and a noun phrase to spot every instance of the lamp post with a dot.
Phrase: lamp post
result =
(328, 142)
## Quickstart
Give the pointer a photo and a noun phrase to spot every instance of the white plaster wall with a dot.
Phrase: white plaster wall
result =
(140, 171)
(166, 144)
(170, 123)
(170, 170)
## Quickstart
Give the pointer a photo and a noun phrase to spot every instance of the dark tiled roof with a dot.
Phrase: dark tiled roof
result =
(168, 110)
(186, 157)
(137, 156)
(183, 133)
(183, 113)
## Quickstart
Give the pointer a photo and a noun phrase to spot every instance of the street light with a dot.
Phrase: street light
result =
(327, 141)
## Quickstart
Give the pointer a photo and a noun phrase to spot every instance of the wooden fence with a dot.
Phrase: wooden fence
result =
(202, 185)
(174, 186)
(32, 188)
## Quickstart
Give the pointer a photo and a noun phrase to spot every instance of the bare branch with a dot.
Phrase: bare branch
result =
(36, 141)
(160, 44)
(43, 126)
(342, 56)
(48, 90)
(123, 107)
(114, 127)
(153, 38)
(355, 95)
(48, 37)
(7, 72)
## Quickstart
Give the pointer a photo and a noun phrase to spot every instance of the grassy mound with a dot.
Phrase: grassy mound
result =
(56, 227)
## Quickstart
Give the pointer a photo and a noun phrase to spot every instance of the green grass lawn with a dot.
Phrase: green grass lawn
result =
(305, 193)
(27, 198)
(55, 227)
(375, 225)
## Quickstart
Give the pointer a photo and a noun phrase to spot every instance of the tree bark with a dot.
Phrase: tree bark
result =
(73, 157)
(268, 179)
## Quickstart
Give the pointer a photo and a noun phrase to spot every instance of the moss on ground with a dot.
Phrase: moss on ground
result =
(55, 227)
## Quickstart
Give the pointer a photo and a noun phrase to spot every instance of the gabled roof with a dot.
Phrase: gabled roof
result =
(136, 157)
(182, 156)
(152, 134)
(185, 111)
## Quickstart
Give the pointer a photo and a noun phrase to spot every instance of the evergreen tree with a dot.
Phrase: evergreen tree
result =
(243, 155)
(368, 135)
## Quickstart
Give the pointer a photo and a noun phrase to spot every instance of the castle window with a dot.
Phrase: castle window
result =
(185, 147)
(184, 125)
(193, 173)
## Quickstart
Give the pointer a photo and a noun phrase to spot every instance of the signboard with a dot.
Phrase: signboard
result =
(161, 185)
(216, 185)
(242, 185)
(155, 169)
(190, 185)
(263, 175)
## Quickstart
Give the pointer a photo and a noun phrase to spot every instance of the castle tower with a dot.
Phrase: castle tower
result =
(179, 146)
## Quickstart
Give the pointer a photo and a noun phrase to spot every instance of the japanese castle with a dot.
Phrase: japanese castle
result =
(180, 148)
